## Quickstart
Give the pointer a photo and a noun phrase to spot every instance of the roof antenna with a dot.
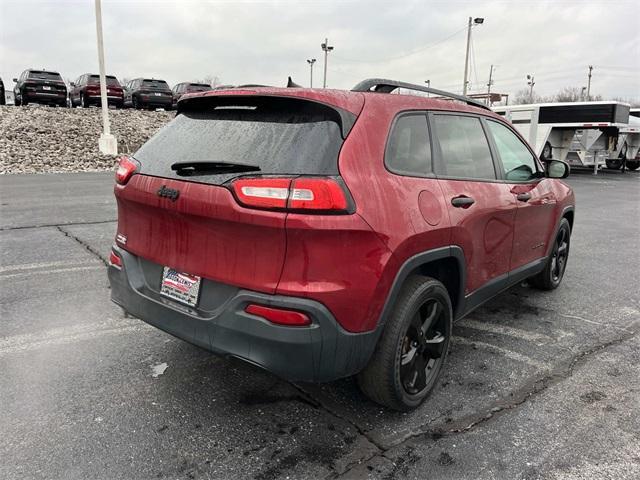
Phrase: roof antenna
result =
(292, 84)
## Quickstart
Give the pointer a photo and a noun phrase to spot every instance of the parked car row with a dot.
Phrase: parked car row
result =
(48, 87)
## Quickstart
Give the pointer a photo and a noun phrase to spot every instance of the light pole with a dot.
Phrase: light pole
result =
(107, 144)
(489, 86)
(589, 84)
(311, 62)
(428, 82)
(531, 82)
(472, 22)
(326, 49)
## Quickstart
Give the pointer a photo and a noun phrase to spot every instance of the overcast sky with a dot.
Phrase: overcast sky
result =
(265, 41)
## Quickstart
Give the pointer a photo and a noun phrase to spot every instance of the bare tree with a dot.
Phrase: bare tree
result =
(523, 97)
(211, 80)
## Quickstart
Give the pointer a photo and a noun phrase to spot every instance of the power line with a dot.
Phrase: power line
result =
(397, 57)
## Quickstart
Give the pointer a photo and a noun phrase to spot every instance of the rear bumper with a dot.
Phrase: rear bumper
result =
(321, 352)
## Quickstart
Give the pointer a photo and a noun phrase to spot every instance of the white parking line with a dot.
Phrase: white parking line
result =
(66, 335)
(518, 357)
(508, 331)
(49, 265)
(97, 266)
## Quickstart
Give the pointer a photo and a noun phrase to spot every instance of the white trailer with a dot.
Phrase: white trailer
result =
(583, 134)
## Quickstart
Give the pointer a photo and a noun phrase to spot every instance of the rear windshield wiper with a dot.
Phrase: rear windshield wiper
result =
(203, 168)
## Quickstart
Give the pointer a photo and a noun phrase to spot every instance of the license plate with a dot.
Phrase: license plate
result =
(179, 286)
(157, 94)
(46, 87)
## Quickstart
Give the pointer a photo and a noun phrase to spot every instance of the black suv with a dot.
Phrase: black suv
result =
(85, 91)
(2, 100)
(40, 86)
(188, 87)
(148, 93)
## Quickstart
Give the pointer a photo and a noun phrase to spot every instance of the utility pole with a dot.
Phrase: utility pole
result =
(589, 84)
(326, 49)
(107, 144)
(489, 86)
(472, 22)
(311, 62)
(531, 82)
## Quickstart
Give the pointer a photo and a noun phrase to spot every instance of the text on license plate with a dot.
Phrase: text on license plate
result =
(46, 87)
(179, 286)
(157, 94)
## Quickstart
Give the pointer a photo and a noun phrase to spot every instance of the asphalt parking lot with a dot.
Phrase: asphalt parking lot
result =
(538, 385)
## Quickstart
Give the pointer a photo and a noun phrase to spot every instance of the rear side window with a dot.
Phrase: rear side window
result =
(279, 136)
(464, 148)
(517, 161)
(408, 150)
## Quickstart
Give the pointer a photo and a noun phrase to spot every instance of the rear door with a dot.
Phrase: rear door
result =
(201, 229)
(481, 208)
(533, 193)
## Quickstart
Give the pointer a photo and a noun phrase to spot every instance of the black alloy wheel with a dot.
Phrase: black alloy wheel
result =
(423, 347)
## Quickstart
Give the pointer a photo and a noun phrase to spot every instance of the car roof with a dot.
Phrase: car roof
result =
(352, 101)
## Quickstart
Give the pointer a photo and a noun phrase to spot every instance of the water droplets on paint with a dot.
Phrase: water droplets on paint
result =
(158, 369)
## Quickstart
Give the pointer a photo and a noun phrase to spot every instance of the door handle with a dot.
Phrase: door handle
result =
(462, 201)
(524, 197)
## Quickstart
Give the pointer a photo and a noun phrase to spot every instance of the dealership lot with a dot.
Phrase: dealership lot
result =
(537, 385)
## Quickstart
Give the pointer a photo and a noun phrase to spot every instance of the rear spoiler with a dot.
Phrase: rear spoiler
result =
(248, 98)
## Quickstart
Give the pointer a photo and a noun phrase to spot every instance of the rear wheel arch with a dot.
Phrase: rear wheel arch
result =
(445, 264)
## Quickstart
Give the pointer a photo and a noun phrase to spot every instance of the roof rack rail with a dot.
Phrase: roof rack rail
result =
(382, 85)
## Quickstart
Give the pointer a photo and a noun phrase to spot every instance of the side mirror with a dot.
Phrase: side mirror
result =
(557, 169)
(73, 84)
(15, 80)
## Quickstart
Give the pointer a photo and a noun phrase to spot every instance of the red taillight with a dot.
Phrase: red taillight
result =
(280, 316)
(319, 194)
(126, 168)
(115, 260)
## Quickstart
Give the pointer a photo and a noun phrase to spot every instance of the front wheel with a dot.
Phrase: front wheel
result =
(411, 352)
(551, 276)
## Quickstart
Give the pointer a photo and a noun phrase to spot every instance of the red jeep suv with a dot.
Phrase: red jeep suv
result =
(323, 233)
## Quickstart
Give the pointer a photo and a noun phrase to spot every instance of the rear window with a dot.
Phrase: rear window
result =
(111, 80)
(194, 87)
(279, 136)
(155, 84)
(44, 75)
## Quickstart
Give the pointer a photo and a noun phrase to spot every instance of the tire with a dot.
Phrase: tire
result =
(16, 101)
(23, 100)
(633, 164)
(392, 378)
(547, 152)
(134, 102)
(614, 164)
(551, 277)
(83, 101)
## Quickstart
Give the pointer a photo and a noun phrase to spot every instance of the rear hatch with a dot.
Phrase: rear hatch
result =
(113, 85)
(45, 83)
(156, 88)
(179, 209)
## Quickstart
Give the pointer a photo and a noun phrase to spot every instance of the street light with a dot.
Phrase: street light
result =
(311, 62)
(326, 48)
(472, 22)
(107, 144)
(531, 82)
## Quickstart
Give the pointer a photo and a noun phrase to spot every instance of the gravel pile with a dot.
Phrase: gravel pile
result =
(38, 139)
